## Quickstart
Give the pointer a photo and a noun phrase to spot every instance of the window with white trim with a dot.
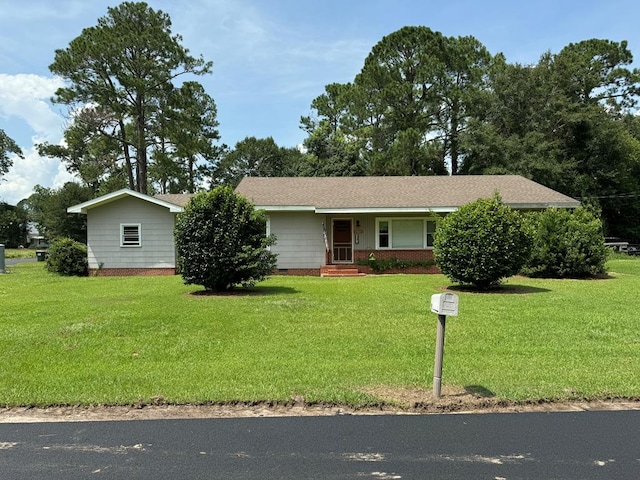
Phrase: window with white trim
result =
(405, 233)
(130, 235)
(430, 225)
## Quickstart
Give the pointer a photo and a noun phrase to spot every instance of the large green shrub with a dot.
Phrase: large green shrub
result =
(67, 257)
(221, 241)
(481, 243)
(566, 244)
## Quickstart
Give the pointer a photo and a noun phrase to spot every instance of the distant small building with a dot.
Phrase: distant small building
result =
(34, 239)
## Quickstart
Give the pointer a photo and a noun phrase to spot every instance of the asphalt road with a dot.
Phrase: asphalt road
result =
(13, 261)
(582, 445)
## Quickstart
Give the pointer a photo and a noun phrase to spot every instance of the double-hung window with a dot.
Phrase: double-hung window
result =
(405, 233)
(130, 235)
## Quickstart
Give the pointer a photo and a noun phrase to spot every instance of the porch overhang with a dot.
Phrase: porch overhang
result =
(402, 210)
(353, 211)
(385, 211)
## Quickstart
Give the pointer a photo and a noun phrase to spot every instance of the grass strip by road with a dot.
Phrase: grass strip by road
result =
(19, 253)
(128, 340)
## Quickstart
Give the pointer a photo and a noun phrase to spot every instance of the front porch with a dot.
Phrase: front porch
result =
(341, 271)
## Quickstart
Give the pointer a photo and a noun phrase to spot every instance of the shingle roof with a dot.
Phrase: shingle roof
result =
(179, 199)
(436, 193)
(119, 194)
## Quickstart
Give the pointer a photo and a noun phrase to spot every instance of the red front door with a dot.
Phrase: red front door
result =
(342, 241)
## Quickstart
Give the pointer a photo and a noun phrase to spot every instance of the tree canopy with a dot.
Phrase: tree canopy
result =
(256, 157)
(13, 225)
(423, 103)
(569, 123)
(428, 104)
(47, 207)
(404, 112)
(124, 69)
(7, 146)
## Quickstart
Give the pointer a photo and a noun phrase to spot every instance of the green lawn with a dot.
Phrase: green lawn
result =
(19, 253)
(124, 340)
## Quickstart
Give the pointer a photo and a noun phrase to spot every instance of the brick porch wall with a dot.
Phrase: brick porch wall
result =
(408, 255)
(130, 272)
(363, 255)
(433, 269)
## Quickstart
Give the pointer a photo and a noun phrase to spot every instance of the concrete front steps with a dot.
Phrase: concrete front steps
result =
(340, 271)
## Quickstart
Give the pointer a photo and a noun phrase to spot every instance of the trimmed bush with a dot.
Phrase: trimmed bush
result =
(67, 257)
(482, 243)
(566, 244)
(221, 241)
(393, 263)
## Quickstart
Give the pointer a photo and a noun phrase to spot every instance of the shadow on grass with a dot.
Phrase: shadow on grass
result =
(478, 391)
(245, 292)
(501, 290)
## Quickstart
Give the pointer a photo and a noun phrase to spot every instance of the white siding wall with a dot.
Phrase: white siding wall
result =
(156, 227)
(299, 242)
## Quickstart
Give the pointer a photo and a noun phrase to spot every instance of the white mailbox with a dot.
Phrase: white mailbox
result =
(445, 304)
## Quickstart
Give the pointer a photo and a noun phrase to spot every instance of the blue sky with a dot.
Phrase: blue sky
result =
(271, 57)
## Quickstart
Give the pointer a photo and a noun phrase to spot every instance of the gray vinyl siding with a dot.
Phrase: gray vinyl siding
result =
(299, 242)
(156, 227)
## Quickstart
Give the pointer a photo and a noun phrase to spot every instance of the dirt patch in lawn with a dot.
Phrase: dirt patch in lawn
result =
(389, 401)
(476, 399)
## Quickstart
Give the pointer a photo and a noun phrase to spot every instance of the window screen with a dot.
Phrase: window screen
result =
(130, 235)
(407, 233)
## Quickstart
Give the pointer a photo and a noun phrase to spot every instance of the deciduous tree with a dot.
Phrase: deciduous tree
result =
(13, 225)
(256, 157)
(566, 122)
(47, 207)
(94, 158)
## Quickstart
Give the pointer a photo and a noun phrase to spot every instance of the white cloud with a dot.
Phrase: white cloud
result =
(26, 97)
(30, 171)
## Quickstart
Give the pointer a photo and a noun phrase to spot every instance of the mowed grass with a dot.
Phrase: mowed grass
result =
(127, 340)
(19, 253)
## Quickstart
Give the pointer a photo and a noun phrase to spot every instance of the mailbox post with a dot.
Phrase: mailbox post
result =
(443, 304)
